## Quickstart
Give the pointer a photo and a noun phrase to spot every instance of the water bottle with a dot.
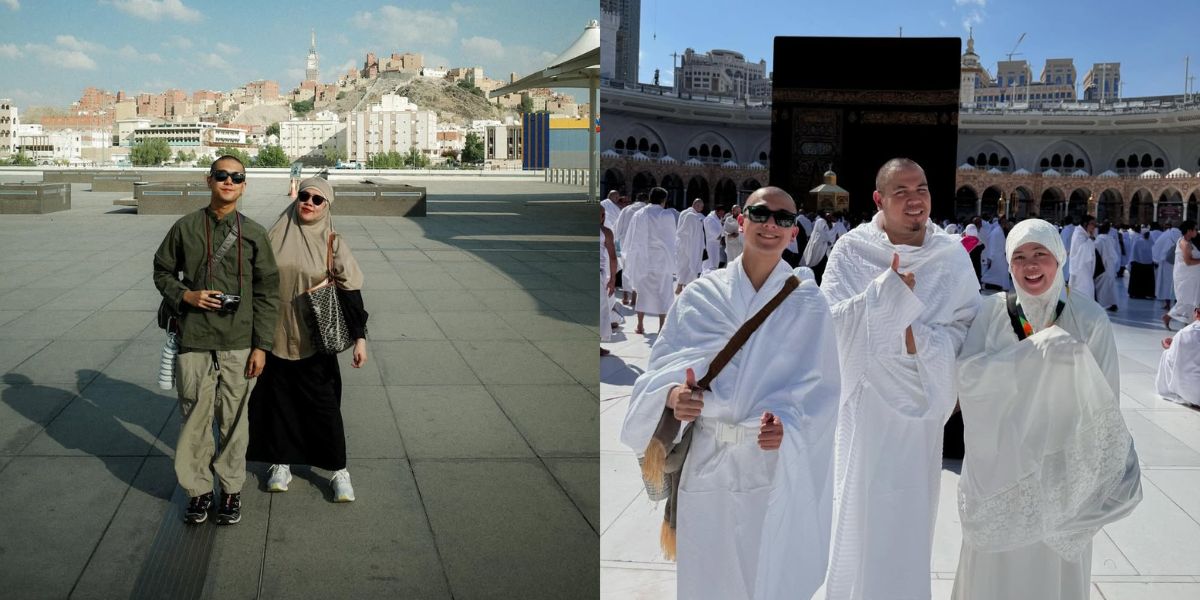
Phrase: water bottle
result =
(166, 369)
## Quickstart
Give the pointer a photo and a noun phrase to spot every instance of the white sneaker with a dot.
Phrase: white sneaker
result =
(342, 490)
(281, 476)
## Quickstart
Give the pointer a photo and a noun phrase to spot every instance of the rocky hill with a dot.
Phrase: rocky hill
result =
(452, 103)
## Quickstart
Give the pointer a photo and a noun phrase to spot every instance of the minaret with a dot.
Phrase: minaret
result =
(970, 70)
(310, 72)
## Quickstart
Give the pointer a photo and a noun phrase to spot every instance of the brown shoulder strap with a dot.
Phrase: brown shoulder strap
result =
(744, 332)
(329, 255)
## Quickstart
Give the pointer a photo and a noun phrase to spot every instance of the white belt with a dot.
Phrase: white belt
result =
(728, 433)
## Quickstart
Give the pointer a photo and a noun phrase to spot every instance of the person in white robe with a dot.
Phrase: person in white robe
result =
(816, 252)
(689, 245)
(839, 228)
(1124, 240)
(608, 276)
(652, 249)
(1068, 233)
(1164, 261)
(753, 518)
(733, 233)
(1049, 459)
(1178, 377)
(1185, 276)
(995, 268)
(1141, 268)
(803, 221)
(1108, 293)
(612, 209)
(621, 233)
(1082, 257)
(712, 240)
(903, 294)
(952, 228)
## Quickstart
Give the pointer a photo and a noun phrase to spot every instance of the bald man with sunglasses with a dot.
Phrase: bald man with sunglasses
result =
(754, 502)
(217, 274)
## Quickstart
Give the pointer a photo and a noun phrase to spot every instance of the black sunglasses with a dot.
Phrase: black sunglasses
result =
(222, 175)
(316, 200)
(759, 213)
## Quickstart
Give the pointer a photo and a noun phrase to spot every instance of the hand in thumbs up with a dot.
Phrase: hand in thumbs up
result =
(909, 279)
(686, 400)
(770, 432)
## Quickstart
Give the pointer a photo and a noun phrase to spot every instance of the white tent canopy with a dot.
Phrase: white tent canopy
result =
(577, 67)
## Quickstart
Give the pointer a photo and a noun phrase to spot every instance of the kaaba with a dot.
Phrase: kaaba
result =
(851, 104)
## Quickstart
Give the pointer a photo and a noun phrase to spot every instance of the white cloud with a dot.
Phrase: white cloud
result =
(60, 57)
(979, 3)
(12, 4)
(478, 47)
(437, 60)
(71, 42)
(294, 74)
(179, 42)
(493, 53)
(10, 51)
(346, 66)
(460, 9)
(942, 23)
(157, 10)
(414, 27)
(128, 52)
(972, 19)
(214, 61)
(227, 49)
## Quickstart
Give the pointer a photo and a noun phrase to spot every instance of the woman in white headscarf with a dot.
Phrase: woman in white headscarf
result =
(295, 409)
(1049, 459)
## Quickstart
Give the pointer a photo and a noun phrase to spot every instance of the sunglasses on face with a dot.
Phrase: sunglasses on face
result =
(316, 200)
(222, 175)
(759, 213)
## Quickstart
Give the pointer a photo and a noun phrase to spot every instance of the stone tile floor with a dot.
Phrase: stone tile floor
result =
(471, 431)
(1152, 555)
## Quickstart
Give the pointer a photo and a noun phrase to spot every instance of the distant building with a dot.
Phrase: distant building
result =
(1014, 84)
(265, 90)
(201, 137)
(626, 39)
(722, 73)
(312, 137)
(433, 73)
(311, 70)
(9, 123)
(1102, 82)
(406, 62)
(394, 124)
(501, 140)
(50, 147)
(610, 22)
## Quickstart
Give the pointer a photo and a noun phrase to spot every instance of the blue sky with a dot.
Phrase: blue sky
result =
(1148, 37)
(51, 49)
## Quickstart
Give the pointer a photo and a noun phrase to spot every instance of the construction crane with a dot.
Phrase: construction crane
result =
(1014, 50)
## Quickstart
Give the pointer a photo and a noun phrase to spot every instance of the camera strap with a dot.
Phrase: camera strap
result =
(214, 260)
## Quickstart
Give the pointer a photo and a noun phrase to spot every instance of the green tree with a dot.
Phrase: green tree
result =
(204, 160)
(386, 160)
(271, 156)
(302, 107)
(21, 160)
(526, 104)
(273, 129)
(235, 152)
(181, 157)
(416, 159)
(333, 156)
(154, 151)
(473, 150)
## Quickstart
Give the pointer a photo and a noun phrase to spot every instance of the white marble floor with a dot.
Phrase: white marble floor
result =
(1152, 555)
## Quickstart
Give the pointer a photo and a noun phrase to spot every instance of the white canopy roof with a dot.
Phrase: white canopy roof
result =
(1150, 174)
(577, 67)
(1178, 172)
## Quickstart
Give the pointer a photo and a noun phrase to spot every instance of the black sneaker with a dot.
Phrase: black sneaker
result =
(197, 509)
(230, 510)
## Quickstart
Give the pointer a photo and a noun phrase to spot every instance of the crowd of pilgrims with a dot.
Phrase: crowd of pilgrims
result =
(651, 252)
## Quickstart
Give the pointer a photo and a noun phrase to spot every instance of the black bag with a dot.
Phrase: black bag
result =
(1099, 270)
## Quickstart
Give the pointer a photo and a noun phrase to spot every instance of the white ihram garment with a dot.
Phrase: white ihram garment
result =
(712, 241)
(894, 405)
(1068, 233)
(996, 270)
(605, 301)
(751, 523)
(1187, 285)
(651, 254)
(612, 213)
(689, 246)
(733, 237)
(1164, 257)
(1082, 259)
(819, 244)
(1049, 459)
(1179, 367)
(1107, 292)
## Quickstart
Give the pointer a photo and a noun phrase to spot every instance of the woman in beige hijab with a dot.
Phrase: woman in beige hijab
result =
(295, 409)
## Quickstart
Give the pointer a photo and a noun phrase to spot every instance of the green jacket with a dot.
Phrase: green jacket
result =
(183, 252)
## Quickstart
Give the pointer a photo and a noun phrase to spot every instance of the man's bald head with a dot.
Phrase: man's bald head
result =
(890, 168)
(762, 193)
(614, 195)
(697, 205)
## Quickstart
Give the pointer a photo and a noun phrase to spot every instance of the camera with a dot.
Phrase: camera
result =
(229, 302)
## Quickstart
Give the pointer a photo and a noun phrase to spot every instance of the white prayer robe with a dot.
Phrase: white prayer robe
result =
(651, 252)
(1108, 293)
(804, 222)
(689, 246)
(1038, 414)
(995, 270)
(1068, 234)
(1187, 285)
(819, 244)
(712, 241)
(1164, 257)
(733, 237)
(839, 229)
(612, 213)
(1082, 258)
(894, 404)
(605, 299)
(623, 221)
(1179, 367)
(751, 523)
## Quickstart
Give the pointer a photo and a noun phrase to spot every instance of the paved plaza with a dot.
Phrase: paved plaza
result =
(1152, 555)
(471, 431)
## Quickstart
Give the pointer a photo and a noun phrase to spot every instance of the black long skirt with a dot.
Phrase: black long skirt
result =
(1141, 280)
(296, 413)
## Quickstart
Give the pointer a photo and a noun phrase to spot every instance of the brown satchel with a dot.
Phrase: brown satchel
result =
(662, 464)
